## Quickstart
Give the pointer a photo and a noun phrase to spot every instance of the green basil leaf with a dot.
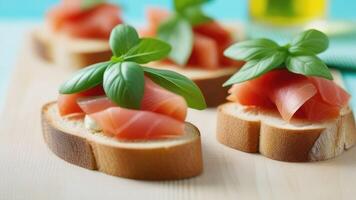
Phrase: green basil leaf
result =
(148, 49)
(251, 49)
(178, 84)
(195, 15)
(300, 52)
(311, 40)
(308, 65)
(255, 68)
(85, 79)
(89, 4)
(178, 33)
(124, 84)
(122, 38)
(181, 5)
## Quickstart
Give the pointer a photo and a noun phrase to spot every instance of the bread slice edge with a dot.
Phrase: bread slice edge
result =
(250, 129)
(147, 160)
(65, 51)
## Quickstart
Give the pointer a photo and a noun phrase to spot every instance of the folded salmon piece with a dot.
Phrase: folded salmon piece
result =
(162, 112)
(68, 103)
(155, 99)
(293, 95)
(130, 124)
(96, 22)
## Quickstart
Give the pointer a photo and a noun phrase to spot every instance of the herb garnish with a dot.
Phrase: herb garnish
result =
(178, 30)
(89, 4)
(123, 76)
(264, 55)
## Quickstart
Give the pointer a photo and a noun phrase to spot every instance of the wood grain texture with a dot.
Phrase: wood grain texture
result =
(28, 170)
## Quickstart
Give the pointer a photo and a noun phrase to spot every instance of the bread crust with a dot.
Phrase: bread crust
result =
(285, 143)
(55, 48)
(212, 89)
(179, 161)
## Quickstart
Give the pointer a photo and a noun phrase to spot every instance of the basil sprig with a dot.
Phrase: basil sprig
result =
(178, 29)
(264, 55)
(123, 77)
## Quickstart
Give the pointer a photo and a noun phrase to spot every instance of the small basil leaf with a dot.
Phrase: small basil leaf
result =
(251, 49)
(181, 5)
(178, 84)
(122, 38)
(255, 68)
(88, 4)
(148, 49)
(124, 84)
(308, 65)
(178, 33)
(85, 79)
(195, 15)
(310, 40)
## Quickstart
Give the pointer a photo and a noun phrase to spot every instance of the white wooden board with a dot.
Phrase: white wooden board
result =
(29, 170)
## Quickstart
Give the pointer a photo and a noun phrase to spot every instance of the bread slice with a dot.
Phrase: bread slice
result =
(67, 51)
(209, 81)
(251, 129)
(149, 159)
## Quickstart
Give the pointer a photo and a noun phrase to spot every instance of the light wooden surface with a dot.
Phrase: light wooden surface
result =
(29, 170)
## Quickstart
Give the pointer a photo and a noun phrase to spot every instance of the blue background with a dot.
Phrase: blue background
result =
(134, 9)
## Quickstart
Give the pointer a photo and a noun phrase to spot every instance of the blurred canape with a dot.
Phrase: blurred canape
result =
(198, 43)
(76, 32)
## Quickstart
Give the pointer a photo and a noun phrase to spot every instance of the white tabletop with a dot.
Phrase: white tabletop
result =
(29, 170)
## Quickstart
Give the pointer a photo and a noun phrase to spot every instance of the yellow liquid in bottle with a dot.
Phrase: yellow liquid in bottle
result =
(286, 12)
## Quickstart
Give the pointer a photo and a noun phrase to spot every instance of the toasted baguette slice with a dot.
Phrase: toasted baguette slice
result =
(209, 81)
(149, 159)
(66, 51)
(253, 130)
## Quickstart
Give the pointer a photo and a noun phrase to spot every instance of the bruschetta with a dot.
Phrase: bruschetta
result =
(125, 119)
(76, 33)
(284, 103)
